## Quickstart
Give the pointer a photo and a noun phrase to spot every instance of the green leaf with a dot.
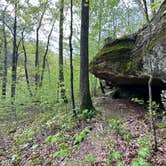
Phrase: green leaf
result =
(53, 138)
(155, 5)
(127, 137)
(144, 152)
(140, 162)
(164, 12)
(115, 155)
(90, 159)
(62, 153)
(119, 163)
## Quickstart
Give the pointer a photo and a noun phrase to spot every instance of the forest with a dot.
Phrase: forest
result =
(83, 82)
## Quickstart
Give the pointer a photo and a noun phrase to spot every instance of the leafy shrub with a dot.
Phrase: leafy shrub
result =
(115, 156)
(88, 114)
(115, 124)
(90, 159)
(63, 152)
(144, 141)
(140, 162)
(127, 137)
(54, 138)
(138, 101)
(119, 163)
(144, 152)
(78, 138)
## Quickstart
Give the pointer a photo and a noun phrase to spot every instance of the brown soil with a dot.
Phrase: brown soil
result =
(101, 141)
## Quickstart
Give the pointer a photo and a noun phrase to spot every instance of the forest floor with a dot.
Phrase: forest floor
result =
(119, 135)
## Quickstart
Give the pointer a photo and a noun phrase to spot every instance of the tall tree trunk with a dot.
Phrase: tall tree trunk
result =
(71, 58)
(14, 63)
(152, 122)
(37, 76)
(14, 56)
(25, 66)
(61, 74)
(45, 55)
(85, 98)
(4, 79)
(48, 69)
(37, 59)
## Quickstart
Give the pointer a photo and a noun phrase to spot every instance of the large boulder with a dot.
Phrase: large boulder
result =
(128, 61)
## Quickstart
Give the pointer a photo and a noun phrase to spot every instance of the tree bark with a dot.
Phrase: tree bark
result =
(37, 59)
(152, 121)
(37, 76)
(71, 59)
(14, 56)
(61, 85)
(85, 98)
(4, 79)
(45, 55)
(25, 66)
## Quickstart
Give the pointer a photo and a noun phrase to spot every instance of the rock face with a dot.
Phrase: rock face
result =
(129, 60)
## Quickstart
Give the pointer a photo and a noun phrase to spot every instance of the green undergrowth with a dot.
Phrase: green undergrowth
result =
(62, 135)
(115, 157)
(57, 130)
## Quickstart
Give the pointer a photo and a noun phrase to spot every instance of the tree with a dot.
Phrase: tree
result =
(4, 80)
(85, 98)
(150, 72)
(37, 46)
(45, 54)
(61, 86)
(71, 58)
(25, 66)
(14, 56)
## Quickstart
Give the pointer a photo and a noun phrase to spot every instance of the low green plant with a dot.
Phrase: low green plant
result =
(127, 137)
(140, 162)
(122, 130)
(88, 114)
(16, 157)
(144, 141)
(115, 156)
(144, 152)
(63, 152)
(118, 126)
(24, 137)
(78, 138)
(115, 124)
(155, 106)
(138, 101)
(50, 122)
(119, 163)
(90, 159)
(54, 138)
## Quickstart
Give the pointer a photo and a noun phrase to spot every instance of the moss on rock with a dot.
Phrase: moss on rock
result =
(122, 60)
